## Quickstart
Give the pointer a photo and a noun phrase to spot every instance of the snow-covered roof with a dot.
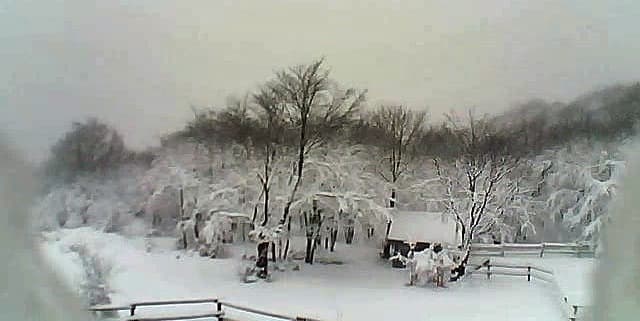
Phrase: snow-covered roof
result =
(423, 227)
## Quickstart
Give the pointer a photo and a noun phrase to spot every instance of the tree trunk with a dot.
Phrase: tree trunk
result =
(286, 246)
(334, 237)
(460, 269)
(307, 256)
(262, 260)
(255, 214)
(386, 252)
(392, 201)
(286, 250)
(273, 251)
(265, 220)
(313, 251)
(181, 203)
(348, 234)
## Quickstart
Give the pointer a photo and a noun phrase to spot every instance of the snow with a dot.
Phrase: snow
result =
(574, 276)
(68, 264)
(423, 227)
(363, 288)
(242, 216)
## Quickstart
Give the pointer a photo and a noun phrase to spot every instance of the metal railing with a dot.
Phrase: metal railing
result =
(217, 313)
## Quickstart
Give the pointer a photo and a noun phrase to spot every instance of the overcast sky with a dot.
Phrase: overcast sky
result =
(140, 64)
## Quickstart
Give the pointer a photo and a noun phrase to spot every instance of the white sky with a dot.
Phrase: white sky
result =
(140, 64)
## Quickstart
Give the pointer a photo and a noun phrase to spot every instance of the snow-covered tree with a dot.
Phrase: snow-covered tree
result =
(578, 189)
(313, 106)
(107, 202)
(337, 194)
(90, 147)
(480, 188)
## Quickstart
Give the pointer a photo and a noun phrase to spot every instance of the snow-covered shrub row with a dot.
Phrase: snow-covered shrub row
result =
(105, 203)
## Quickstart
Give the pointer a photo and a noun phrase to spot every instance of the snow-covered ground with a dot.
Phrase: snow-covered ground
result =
(363, 288)
(574, 275)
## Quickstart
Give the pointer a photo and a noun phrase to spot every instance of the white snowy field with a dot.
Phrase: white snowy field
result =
(574, 275)
(363, 288)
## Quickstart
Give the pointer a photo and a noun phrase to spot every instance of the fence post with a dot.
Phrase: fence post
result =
(219, 307)
(132, 310)
(529, 273)
(489, 271)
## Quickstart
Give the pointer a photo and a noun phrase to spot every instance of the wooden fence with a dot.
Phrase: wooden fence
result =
(506, 249)
(217, 312)
(530, 271)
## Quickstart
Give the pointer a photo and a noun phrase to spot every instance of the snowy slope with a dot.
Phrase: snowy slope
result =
(361, 289)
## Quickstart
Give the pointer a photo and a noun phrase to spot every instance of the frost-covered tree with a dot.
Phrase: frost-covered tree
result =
(479, 188)
(338, 194)
(107, 202)
(578, 188)
(314, 107)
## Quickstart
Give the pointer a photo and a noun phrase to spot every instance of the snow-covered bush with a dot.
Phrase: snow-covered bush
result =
(95, 282)
(578, 189)
(207, 235)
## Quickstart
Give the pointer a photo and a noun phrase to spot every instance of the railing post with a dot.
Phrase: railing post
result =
(219, 307)
(488, 271)
(529, 273)
(132, 310)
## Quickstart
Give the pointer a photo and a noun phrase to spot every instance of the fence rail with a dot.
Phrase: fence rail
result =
(526, 271)
(218, 313)
(579, 250)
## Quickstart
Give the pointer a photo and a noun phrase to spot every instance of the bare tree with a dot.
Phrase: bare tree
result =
(235, 123)
(398, 129)
(313, 106)
(271, 121)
